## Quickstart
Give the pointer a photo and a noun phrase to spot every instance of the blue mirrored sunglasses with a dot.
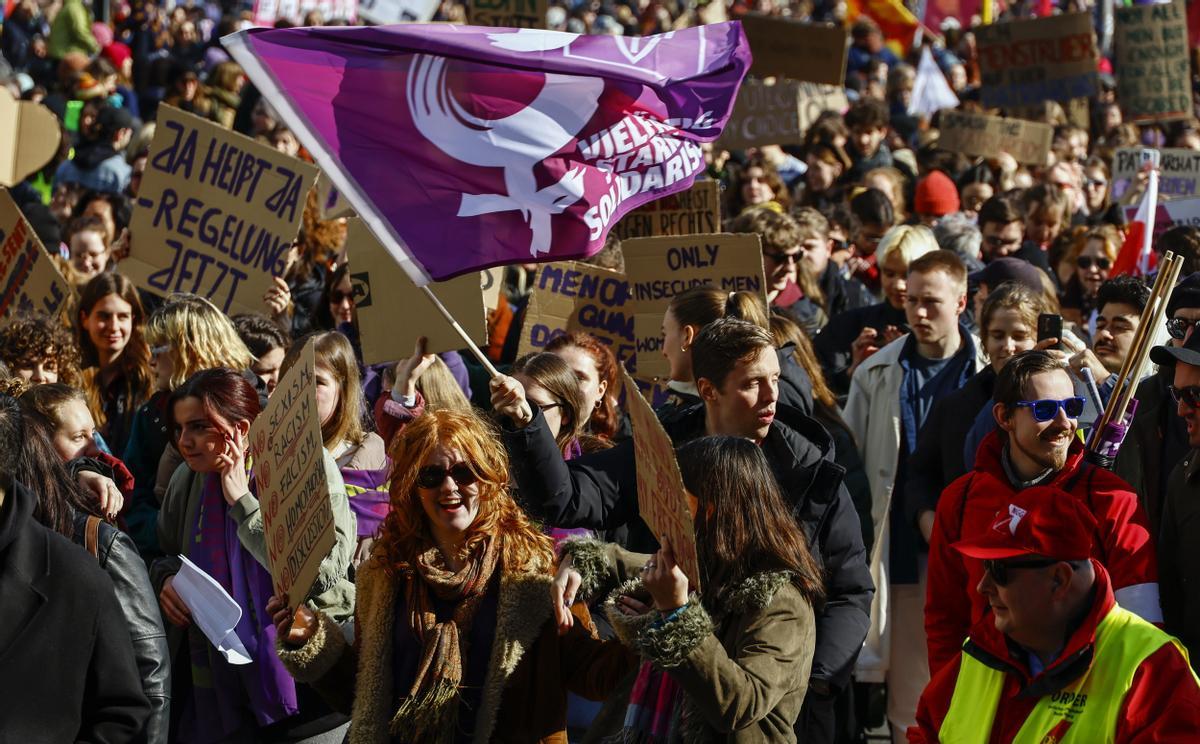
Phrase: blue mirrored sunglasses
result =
(1047, 409)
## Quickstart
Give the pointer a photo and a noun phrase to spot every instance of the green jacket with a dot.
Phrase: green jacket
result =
(71, 31)
(333, 592)
(743, 659)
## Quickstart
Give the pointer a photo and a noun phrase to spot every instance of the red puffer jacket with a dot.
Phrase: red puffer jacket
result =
(968, 508)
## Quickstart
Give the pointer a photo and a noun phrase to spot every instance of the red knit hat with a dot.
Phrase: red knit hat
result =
(116, 53)
(936, 195)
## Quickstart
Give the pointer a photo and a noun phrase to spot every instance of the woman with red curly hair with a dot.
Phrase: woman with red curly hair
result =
(596, 369)
(455, 633)
(39, 350)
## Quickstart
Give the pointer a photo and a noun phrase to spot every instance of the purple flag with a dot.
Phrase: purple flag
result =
(464, 147)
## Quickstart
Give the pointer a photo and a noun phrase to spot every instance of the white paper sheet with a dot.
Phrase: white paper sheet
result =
(213, 610)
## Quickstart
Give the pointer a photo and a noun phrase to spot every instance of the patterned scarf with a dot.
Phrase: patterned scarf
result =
(653, 703)
(430, 711)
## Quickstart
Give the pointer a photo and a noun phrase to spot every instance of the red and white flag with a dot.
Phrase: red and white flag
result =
(1136, 256)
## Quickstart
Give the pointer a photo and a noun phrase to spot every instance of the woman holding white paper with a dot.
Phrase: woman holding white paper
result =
(210, 514)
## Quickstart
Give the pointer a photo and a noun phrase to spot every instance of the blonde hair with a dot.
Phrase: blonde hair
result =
(405, 533)
(335, 354)
(440, 390)
(197, 336)
(909, 241)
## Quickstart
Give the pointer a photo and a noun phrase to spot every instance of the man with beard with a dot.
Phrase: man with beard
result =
(1119, 304)
(1036, 445)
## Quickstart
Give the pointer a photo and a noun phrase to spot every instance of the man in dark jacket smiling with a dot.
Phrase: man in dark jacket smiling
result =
(737, 376)
(68, 667)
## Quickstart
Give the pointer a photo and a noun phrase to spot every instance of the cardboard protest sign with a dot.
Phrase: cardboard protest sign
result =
(493, 281)
(793, 49)
(384, 12)
(216, 213)
(984, 136)
(393, 313)
(29, 280)
(1179, 172)
(697, 210)
(1155, 80)
(662, 501)
(289, 470)
(29, 137)
(570, 296)
(507, 13)
(660, 268)
(266, 12)
(779, 113)
(330, 201)
(1041, 59)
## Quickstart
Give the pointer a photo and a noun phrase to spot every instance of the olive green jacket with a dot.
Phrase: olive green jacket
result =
(743, 659)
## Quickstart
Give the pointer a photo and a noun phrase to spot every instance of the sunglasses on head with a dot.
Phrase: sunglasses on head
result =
(1087, 262)
(784, 258)
(1047, 408)
(1189, 395)
(1178, 327)
(999, 570)
(433, 476)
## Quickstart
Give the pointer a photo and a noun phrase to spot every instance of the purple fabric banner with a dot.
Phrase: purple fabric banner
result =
(464, 148)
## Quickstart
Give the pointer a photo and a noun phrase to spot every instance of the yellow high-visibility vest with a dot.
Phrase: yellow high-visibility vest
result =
(1084, 712)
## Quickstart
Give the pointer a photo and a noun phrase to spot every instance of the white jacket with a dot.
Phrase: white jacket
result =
(873, 414)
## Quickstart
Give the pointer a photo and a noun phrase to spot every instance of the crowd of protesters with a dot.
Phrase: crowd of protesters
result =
(898, 530)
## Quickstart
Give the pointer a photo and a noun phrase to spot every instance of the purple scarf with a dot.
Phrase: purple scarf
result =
(222, 693)
(369, 499)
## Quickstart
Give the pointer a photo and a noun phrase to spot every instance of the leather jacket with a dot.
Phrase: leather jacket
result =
(120, 560)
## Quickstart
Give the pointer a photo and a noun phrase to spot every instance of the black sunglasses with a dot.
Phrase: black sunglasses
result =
(433, 476)
(1047, 408)
(999, 570)
(784, 258)
(1087, 262)
(1189, 395)
(1178, 327)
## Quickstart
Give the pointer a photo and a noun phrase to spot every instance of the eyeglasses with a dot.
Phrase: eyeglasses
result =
(1096, 183)
(1189, 395)
(784, 258)
(999, 570)
(1047, 408)
(1087, 262)
(432, 476)
(1178, 327)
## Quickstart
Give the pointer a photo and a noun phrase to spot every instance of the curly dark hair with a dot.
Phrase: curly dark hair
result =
(27, 339)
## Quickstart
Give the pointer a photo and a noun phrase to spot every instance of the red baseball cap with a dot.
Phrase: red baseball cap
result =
(1042, 521)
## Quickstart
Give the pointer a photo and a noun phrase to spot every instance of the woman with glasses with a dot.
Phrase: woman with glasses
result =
(211, 516)
(1089, 261)
(1097, 195)
(455, 631)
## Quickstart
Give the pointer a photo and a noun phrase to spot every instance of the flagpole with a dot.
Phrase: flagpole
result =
(471, 345)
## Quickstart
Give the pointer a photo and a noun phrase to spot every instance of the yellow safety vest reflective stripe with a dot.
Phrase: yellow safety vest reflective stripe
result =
(1084, 712)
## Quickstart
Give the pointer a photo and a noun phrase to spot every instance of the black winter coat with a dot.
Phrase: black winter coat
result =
(599, 491)
(67, 670)
(832, 345)
(937, 460)
(119, 558)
